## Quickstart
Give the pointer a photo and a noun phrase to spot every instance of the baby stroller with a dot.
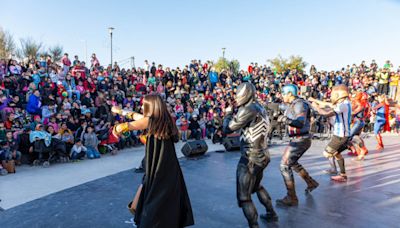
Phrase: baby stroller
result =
(55, 152)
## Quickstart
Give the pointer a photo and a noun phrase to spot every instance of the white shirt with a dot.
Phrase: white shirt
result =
(341, 127)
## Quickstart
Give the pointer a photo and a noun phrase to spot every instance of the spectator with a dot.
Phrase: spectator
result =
(11, 146)
(78, 151)
(394, 83)
(183, 126)
(34, 104)
(383, 80)
(91, 143)
(194, 127)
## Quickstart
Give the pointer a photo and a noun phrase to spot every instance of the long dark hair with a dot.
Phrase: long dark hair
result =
(161, 123)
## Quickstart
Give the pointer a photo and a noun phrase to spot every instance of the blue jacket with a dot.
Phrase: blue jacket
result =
(71, 86)
(33, 106)
(213, 77)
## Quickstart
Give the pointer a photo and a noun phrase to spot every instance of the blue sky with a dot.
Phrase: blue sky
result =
(327, 33)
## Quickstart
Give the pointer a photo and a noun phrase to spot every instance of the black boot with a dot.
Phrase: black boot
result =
(265, 199)
(250, 212)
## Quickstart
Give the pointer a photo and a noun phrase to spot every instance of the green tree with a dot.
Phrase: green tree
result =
(29, 48)
(224, 64)
(56, 53)
(7, 44)
(281, 64)
(235, 66)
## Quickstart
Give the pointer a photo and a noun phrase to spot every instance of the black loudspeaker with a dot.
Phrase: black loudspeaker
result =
(231, 143)
(194, 148)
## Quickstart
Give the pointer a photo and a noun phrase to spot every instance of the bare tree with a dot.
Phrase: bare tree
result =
(7, 44)
(29, 48)
(56, 53)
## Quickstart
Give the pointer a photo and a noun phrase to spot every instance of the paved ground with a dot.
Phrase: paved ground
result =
(30, 183)
(371, 197)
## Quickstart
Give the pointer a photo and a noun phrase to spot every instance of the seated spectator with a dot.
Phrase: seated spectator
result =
(11, 146)
(78, 151)
(66, 136)
(34, 104)
(3, 132)
(91, 142)
(25, 146)
(3, 157)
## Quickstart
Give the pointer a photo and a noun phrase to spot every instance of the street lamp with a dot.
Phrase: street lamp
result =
(223, 53)
(85, 42)
(110, 30)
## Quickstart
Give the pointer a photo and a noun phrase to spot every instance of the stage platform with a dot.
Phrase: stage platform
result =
(371, 197)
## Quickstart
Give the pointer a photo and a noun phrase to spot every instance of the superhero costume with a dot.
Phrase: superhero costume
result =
(253, 122)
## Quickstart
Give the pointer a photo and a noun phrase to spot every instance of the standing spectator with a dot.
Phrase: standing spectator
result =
(383, 81)
(76, 60)
(94, 62)
(66, 63)
(213, 77)
(183, 126)
(194, 128)
(394, 82)
(203, 124)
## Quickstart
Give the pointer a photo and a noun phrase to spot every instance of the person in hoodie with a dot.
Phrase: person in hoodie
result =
(34, 104)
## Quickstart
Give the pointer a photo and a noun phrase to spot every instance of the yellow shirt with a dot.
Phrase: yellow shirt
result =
(394, 80)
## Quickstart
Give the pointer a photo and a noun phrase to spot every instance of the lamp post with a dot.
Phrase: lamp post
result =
(110, 30)
(223, 53)
(85, 42)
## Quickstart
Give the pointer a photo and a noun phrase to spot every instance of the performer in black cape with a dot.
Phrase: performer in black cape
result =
(253, 122)
(164, 201)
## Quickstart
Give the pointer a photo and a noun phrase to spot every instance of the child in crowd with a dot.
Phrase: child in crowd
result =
(11, 146)
(183, 126)
(78, 151)
(91, 143)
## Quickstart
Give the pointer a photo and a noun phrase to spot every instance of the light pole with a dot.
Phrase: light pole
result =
(223, 53)
(85, 42)
(110, 30)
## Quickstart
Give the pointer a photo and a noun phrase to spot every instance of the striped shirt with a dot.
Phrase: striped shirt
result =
(341, 127)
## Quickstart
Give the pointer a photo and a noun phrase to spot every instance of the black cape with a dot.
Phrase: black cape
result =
(164, 201)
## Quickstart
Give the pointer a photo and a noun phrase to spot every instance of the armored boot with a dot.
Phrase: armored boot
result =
(290, 199)
(333, 169)
(311, 183)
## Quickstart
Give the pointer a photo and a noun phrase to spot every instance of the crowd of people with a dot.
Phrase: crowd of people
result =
(65, 107)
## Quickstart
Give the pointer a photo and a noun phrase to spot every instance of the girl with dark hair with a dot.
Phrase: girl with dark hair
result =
(163, 201)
